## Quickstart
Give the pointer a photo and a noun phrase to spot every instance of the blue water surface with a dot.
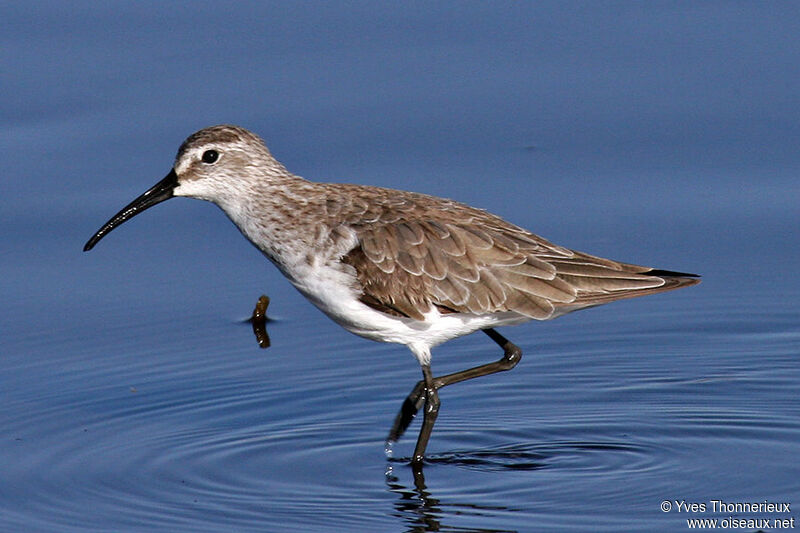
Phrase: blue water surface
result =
(135, 397)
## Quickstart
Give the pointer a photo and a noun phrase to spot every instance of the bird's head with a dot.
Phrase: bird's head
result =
(218, 164)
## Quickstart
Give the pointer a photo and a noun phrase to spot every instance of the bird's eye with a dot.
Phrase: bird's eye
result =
(210, 156)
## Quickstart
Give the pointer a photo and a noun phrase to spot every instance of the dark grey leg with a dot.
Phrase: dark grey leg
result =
(419, 395)
(430, 414)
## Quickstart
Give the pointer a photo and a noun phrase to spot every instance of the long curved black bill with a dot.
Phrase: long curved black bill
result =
(163, 190)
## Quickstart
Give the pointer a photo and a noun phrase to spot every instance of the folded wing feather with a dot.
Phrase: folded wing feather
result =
(410, 258)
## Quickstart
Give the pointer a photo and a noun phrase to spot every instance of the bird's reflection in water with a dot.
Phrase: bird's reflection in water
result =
(415, 506)
(422, 512)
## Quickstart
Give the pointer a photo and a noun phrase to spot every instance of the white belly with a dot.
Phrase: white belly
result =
(331, 291)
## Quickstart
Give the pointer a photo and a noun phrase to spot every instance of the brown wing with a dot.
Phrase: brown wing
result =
(423, 251)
